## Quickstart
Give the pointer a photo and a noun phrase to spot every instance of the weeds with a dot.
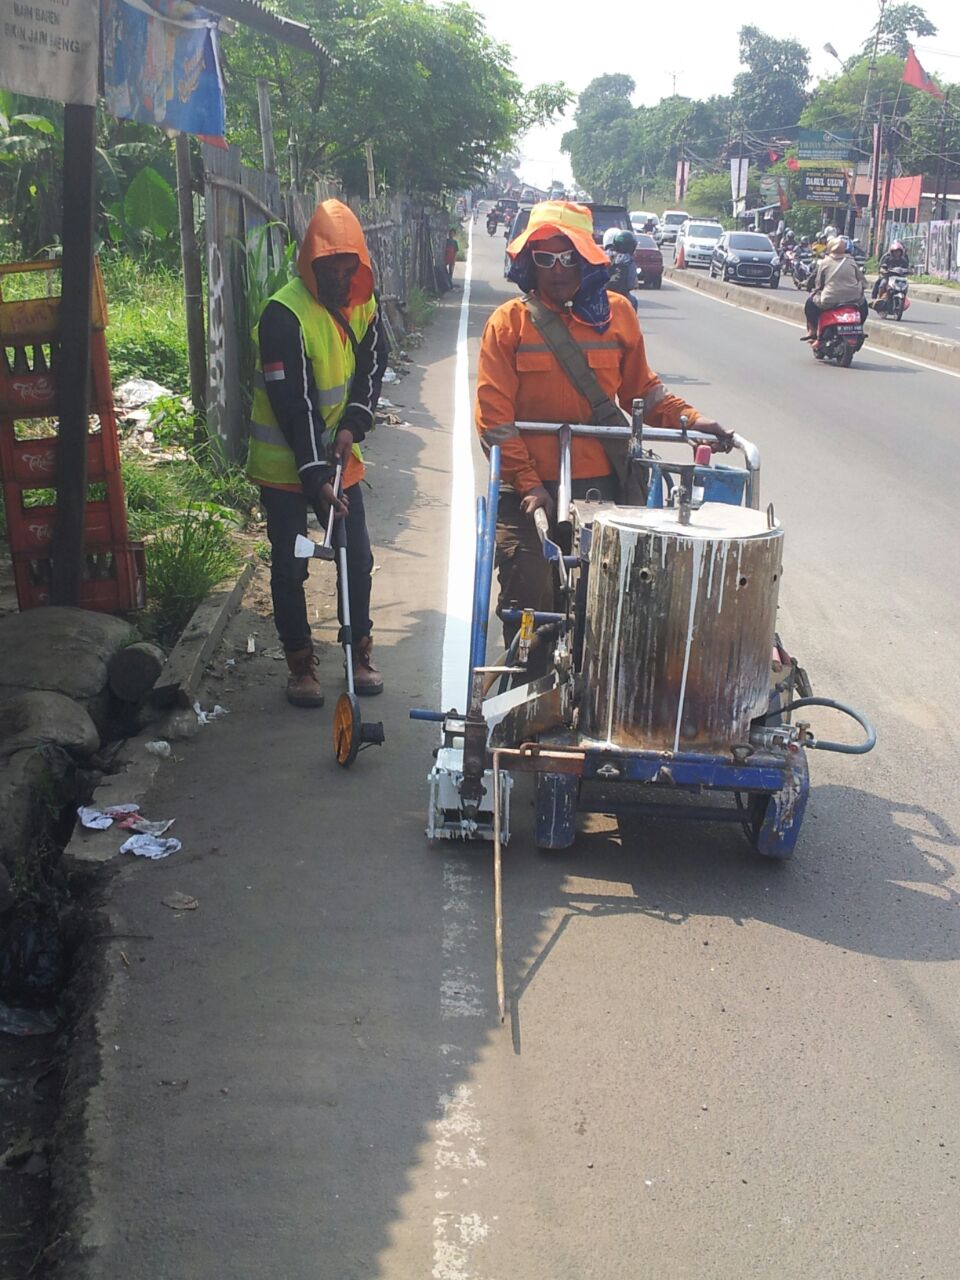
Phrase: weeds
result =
(185, 561)
(420, 308)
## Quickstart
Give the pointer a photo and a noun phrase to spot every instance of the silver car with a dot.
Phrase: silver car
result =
(696, 242)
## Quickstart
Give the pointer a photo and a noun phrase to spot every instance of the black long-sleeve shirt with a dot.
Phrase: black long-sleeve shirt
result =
(292, 390)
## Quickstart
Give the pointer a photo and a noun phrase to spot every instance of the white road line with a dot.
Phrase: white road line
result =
(456, 634)
(459, 1146)
(765, 315)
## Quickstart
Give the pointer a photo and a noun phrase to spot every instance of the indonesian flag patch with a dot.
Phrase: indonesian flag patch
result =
(274, 372)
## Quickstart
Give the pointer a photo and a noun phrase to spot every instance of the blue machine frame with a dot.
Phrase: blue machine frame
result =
(769, 780)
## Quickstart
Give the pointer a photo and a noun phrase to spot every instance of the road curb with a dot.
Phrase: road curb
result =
(945, 355)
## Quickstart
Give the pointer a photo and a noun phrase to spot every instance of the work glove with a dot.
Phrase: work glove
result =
(317, 485)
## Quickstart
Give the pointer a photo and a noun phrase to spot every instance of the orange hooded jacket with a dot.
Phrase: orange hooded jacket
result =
(520, 380)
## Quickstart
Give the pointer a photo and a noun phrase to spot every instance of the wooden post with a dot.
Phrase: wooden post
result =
(192, 285)
(73, 361)
(269, 157)
(371, 175)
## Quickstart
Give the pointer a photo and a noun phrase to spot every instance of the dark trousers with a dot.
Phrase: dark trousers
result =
(527, 580)
(286, 517)
(812, 312)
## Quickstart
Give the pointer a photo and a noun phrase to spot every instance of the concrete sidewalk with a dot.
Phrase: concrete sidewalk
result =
(268, 1061)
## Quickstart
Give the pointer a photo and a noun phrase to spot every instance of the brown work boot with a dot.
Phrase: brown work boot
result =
(367, 680)
(303, 687)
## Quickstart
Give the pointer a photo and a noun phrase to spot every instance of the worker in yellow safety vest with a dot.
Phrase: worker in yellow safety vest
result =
(321, 357)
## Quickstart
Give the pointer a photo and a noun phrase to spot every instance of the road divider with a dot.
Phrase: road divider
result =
(881, 335)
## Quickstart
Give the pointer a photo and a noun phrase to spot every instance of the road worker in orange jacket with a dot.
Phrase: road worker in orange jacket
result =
(520, 380)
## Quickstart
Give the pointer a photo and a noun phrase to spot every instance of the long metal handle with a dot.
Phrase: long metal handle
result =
(338, 476)
(659, 435)
(498, 891)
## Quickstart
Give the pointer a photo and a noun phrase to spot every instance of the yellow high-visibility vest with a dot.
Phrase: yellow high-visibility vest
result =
(270, 459)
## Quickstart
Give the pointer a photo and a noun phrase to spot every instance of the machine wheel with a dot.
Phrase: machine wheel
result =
(773, 822)
(846, 357)
(556, 808)
(775, 282)
(346, 729)
(655, 284)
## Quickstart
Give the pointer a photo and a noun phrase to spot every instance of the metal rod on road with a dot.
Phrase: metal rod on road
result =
(498, 891)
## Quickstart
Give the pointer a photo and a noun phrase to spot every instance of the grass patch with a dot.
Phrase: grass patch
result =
(937, 282)
(420, 308)
(147, 332)
(185, 561)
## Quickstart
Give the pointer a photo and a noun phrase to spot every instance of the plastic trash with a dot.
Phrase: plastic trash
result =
(100, 819)
(146, 846)
(159, 747)
(26, 1022)
(33, 963)
(204, 717)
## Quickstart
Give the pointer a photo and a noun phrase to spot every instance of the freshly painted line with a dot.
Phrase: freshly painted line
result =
(459, 1152)
(765, 315)
(460, 549)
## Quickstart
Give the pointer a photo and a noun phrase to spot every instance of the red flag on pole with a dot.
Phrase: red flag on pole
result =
(915, 76)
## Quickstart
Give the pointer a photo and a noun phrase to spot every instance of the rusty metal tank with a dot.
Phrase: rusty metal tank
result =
(680, 623)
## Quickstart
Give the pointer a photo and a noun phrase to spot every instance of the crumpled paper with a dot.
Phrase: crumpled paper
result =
(99, 819)
(147, 846)
(204, 717)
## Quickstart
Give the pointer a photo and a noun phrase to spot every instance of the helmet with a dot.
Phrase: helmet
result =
(609, 236)
(805, 241)
(828, 233)
(788, 231)
(624, 242)
(897, 246)
(847, 243)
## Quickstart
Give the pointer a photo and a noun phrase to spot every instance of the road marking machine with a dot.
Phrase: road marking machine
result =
(669, 692)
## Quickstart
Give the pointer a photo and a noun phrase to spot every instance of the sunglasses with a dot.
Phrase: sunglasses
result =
(544, 258)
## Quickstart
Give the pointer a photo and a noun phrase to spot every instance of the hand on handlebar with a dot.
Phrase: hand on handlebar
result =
(724, 438)
(537, 499)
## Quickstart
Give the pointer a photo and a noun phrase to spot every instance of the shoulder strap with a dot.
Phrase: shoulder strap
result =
(574, 364)
(345, 326)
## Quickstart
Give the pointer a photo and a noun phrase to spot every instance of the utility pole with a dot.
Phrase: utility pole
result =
(673, 76)
(875, 171)
(943, 168)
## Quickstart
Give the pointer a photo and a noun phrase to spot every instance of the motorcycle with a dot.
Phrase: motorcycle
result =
(492, 221)
(892, 299)
(801, 267)
(840, 335)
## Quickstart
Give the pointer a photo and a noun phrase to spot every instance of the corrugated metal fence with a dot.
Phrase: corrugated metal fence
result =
(245, 261)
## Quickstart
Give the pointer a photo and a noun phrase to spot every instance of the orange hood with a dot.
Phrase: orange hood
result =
(335, 228)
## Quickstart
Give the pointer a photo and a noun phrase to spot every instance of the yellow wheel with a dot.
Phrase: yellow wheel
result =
(346, 729)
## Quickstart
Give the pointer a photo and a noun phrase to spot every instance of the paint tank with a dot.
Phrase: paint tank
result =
(680, 624)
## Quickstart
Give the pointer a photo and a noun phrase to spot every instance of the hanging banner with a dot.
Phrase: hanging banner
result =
(683, 177)
(50, 50)
(161, 65)
(739, 168)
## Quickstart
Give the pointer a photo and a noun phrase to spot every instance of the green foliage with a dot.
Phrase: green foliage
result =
(899, 26)
(709, 196)
(420, 308)
(773, 87)
(425, 84)
(185, 561)
(150, 204)
(146, 335)
(152, 496)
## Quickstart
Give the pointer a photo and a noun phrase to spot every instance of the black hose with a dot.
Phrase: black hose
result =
(845, 748)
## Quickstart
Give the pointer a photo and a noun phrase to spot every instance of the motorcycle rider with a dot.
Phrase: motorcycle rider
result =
(492, 219)
(894, 262)
(623, 268)
(836, 282)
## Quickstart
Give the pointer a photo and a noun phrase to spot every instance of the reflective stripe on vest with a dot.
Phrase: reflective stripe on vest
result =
(270, 459)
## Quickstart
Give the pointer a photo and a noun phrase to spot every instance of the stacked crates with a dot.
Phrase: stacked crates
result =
(113, 577)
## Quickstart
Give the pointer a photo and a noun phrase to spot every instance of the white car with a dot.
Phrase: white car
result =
(696, 241)
(639, 219)
(670, 224)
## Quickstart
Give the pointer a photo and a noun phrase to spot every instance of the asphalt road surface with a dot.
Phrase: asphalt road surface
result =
(714, 1068)
(928, 319)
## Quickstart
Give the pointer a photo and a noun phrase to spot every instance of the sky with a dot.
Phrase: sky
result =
(699, 43)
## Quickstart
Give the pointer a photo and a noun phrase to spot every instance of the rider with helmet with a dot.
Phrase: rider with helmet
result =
(837, 282)
(894, 260)
(620, 247)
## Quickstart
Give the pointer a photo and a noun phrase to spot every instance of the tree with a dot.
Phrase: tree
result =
(772, 92)
(427, 86)
(899, 26)
(603, 144)
(837, 103)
